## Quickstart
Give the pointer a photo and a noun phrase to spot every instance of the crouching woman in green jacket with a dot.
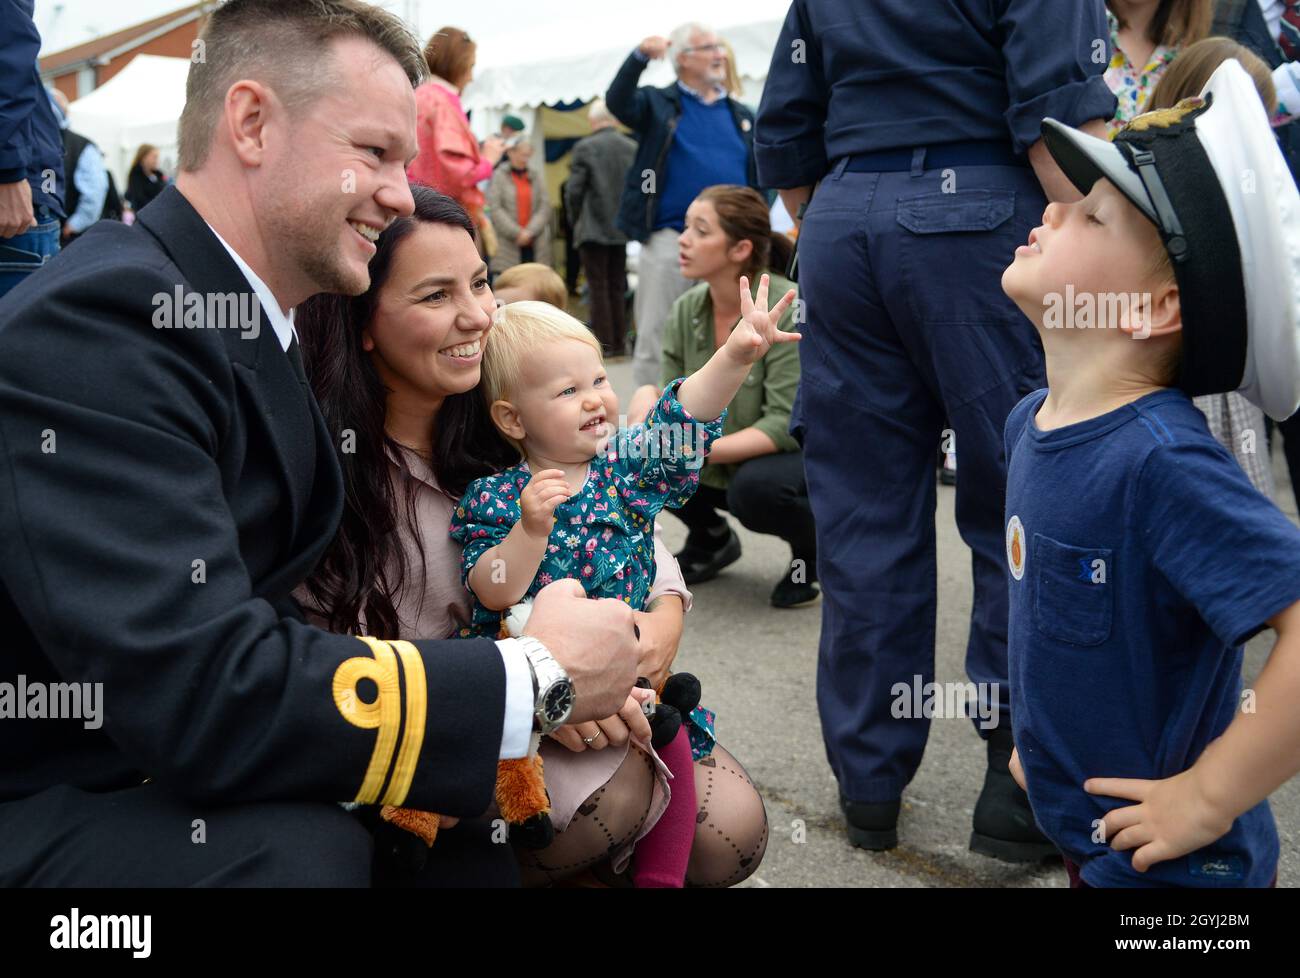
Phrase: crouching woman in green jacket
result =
(755, 470)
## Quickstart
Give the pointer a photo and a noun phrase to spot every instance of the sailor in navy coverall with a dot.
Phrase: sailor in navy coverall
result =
(919, 123)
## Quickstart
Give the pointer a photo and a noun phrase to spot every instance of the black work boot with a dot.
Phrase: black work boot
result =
(1004, 826)
(705, 555)
(871, 825)
(791, 593)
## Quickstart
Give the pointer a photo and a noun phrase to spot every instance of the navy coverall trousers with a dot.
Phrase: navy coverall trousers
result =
(906, 325)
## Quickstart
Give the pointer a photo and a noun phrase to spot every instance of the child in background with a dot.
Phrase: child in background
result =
(582, 501)
(1141, 557)
(531, 280)
(1237, 424)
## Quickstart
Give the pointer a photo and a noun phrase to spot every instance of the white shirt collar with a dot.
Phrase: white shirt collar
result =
(720, 90)
(282, 324)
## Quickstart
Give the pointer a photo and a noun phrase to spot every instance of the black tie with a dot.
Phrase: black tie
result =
(295, 358)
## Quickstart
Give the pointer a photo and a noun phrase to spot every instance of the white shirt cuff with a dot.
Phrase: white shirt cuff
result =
(517, 730)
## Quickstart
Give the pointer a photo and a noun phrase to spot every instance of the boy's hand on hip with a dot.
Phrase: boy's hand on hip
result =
(1173, 817)
(757, 329)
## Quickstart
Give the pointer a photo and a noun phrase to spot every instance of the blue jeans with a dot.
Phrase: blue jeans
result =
(24, 253)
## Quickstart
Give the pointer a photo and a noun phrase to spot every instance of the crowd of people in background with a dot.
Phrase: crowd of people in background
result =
(691, 175)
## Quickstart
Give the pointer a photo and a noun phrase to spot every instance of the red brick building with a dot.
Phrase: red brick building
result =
(79, 70)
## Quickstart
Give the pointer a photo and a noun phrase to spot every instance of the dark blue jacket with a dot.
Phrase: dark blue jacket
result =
(31, 146)
(1243, 21)
(652, 113)
(849, 77)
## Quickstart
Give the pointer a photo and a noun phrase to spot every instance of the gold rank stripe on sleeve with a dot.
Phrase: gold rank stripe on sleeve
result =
(385, 714)
(417, 707)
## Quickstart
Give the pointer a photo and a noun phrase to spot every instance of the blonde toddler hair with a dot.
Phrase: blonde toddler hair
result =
(518, 330)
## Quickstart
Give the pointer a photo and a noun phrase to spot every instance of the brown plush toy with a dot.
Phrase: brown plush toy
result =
(520, 794)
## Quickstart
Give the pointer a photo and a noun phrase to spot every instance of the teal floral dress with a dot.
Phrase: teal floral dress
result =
(603, 536)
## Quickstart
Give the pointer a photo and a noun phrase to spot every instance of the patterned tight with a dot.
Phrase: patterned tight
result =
(730, 830)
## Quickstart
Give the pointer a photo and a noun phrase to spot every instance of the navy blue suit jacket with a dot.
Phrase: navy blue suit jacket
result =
(130, 452)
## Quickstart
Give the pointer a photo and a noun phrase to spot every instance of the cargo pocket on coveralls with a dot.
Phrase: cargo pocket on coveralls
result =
(952, 240)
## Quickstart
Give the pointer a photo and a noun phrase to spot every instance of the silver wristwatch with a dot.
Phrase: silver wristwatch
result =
(553, 693)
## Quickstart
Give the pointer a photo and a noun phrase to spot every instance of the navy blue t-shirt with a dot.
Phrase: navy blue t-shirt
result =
(706, 149)
(1141, 560)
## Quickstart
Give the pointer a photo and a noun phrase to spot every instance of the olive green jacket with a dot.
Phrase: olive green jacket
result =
(764, 399)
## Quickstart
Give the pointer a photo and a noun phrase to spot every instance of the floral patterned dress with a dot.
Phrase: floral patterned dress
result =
(603, 535)
(1132, 86)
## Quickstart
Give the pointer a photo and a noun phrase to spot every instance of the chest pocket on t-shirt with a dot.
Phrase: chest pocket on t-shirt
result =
(1073, 591)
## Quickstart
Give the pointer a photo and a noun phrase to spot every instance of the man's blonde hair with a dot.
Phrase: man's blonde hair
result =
(285, 44)
(518, 331)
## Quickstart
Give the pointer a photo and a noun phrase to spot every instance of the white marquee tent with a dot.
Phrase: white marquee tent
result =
(140, 104)
(520, 88)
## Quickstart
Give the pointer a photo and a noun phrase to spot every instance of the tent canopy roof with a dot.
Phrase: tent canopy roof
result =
(567, 79)
(140, 104)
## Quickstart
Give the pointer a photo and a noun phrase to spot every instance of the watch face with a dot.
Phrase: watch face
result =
(559, 702)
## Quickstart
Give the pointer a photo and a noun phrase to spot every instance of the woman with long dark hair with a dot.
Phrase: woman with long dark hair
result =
(395, 371)
(381, 371)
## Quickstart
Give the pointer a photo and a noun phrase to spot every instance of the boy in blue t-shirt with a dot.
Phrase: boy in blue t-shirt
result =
(1141, 557)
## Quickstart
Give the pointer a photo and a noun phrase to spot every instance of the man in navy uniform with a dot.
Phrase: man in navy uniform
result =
(919, 126)
(167, 479)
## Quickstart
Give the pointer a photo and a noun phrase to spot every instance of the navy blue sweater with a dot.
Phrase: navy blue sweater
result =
(653, 114)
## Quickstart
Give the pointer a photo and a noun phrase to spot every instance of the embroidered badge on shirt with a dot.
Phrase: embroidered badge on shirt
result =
(1016, 547)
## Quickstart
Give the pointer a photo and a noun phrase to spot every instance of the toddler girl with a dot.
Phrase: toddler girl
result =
(581, 502)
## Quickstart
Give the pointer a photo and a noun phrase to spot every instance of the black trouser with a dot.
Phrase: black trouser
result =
(146, 836)
(572, 265)
(606, 268)
(768, 495)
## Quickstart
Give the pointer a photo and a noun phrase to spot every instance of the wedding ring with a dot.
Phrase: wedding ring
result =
(588, 740)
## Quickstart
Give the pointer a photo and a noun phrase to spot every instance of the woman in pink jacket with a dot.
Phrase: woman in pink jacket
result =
(449, 157)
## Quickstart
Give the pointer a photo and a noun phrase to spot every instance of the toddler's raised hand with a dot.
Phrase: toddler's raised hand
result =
(757, 330)
(544, 492)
